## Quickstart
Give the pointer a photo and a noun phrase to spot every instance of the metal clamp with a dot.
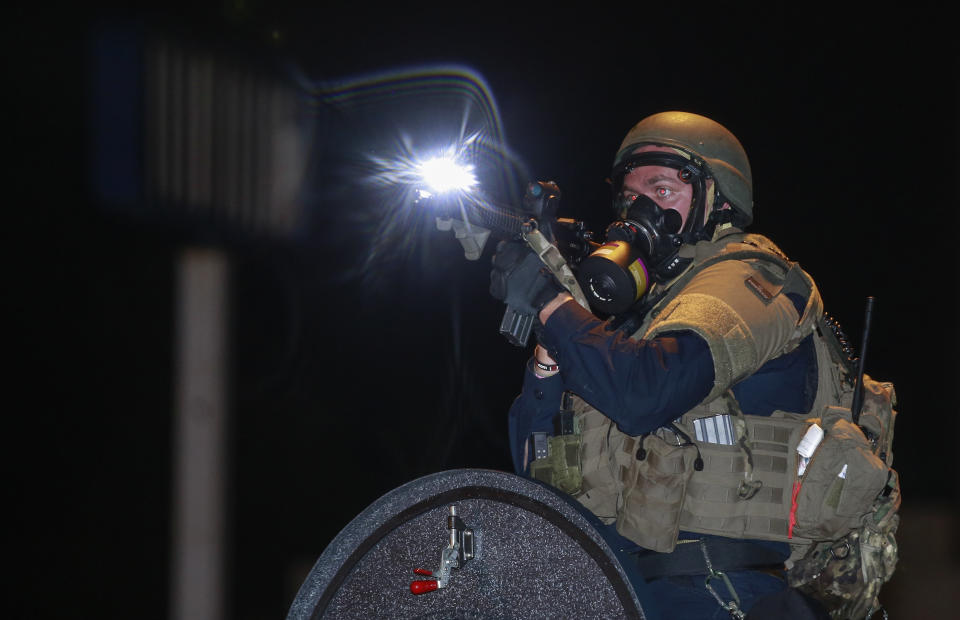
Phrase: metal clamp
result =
(458, 551)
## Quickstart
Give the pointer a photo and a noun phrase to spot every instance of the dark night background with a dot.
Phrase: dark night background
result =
(343, 388)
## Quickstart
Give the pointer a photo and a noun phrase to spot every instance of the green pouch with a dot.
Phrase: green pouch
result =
(841, 481)
(846, 575)
(561, 467)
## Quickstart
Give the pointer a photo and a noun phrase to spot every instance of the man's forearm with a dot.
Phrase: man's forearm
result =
(640, 384)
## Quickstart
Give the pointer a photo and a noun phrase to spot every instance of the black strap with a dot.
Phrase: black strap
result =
(725, 555)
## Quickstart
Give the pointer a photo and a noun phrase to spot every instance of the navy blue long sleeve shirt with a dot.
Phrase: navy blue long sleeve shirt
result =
(639, 384)
(643, 384)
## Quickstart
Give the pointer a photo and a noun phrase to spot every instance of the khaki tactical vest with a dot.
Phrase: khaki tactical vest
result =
(744, 482)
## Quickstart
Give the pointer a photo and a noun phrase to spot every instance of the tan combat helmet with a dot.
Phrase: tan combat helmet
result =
(706, 140)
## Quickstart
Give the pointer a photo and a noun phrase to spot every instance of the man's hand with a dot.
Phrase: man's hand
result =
(520, 279)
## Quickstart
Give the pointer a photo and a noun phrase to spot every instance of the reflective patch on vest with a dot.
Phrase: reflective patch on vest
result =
(715, 429)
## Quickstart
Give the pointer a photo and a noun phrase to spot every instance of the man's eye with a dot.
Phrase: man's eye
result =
(664, 192)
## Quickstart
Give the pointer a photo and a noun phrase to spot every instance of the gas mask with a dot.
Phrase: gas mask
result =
(642, 246)
(639, 249)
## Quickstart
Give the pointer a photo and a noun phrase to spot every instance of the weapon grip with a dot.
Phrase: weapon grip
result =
(516, 327)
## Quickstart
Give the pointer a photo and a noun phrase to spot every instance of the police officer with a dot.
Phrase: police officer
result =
(679, 459)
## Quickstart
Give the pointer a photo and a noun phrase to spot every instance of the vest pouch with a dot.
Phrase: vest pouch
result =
(561, 468)
(878, 416)
(841, 482)
(600, 451)
(846, 575)
(655, 486)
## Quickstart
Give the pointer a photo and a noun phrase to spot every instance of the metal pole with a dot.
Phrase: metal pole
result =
(197, 563)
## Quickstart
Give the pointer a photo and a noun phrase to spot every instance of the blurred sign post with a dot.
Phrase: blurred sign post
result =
(199, 477)
(216, 150)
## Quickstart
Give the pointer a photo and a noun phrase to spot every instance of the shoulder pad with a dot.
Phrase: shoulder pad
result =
(740, 308)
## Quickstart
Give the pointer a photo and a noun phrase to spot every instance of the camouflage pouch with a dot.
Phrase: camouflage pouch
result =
(878, 416)
(846, 574)
(561, 467)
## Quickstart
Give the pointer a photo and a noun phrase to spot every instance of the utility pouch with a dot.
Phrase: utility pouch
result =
(841, 481)
(878, 416)
(561, 467)
(846, 574)
(655, 483)
(599, 454)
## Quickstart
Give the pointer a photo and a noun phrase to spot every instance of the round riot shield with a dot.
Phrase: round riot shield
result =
(474, 544)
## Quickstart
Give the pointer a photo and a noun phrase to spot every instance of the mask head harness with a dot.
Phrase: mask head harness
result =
(642, 246)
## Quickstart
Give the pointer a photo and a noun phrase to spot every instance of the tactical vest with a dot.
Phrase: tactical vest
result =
(734, 295)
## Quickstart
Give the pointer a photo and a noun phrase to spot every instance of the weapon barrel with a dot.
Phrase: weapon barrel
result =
(499, 220)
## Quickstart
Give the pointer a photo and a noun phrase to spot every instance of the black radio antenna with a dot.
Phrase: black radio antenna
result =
(858, 389)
